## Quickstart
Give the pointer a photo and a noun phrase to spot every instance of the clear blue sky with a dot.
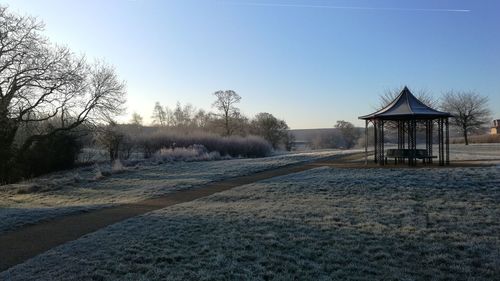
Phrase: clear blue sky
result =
(308, 62)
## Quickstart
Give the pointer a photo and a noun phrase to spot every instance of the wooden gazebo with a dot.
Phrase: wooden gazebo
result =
(408, 115)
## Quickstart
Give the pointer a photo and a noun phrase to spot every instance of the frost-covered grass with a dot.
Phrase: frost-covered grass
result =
(99, 186)
(322, 224)
(486, 151)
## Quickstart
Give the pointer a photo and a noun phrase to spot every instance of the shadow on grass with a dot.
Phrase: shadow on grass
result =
(176, 246)
(15, 218)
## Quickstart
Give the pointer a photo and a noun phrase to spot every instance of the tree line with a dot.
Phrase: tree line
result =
(227, 120)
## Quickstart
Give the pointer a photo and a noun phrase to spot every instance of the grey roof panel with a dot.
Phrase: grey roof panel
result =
(406, 106)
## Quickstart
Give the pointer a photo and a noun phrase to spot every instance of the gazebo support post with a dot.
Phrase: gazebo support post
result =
(404, 131)
(408, 145)
(412, 137)
(440, 141)
(380, 140)
(428, 141)
(447, 141)
(366, 142)
(401, 137)
(375, 140)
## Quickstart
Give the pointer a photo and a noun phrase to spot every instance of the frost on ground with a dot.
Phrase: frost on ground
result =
(99, 186)
(486, 151)
(322, 224)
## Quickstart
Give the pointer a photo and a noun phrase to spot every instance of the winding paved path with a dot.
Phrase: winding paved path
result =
(22, 244)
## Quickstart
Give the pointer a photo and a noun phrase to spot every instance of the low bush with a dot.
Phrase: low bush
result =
(53, 153)
(234, 146)
(117, 166)
(195, 152)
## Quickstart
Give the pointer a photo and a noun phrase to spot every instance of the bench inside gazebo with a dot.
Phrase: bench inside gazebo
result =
(408, 115)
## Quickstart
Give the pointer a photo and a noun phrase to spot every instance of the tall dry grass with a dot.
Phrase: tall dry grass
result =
(477, 139)
(235, 146)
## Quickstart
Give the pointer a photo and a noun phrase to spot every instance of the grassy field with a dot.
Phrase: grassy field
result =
(94, 187)
(322, 224)
(480, 151)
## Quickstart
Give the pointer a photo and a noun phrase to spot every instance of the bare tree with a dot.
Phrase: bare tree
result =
(96, 98)
(272, 129)
(136, 119)
(182, 116)
(225, 103)
(111, 138)
(240, 124)
(289, 141)
(201, 119)
(470, 111)
(159, 116)
(349, 133)
(40, 81)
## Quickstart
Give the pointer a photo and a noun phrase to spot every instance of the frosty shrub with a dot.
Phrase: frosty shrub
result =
(117, 166)
(99, 173)
(56, 152)
(196, 152)
(234, 146)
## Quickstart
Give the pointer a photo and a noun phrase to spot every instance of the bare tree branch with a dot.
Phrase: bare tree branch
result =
(40, 82)
(225, 103)
(470, 111)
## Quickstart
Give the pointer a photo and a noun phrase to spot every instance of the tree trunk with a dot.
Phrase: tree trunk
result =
(8, 130)
(228, 130)
(466, 139)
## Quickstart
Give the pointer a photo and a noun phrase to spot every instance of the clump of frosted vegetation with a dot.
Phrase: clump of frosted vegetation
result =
(234, 146)
(99, 173)
(117, 167)
(174, 145)
(195, 152)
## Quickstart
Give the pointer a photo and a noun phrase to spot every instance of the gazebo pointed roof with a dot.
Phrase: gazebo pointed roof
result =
(406, 106)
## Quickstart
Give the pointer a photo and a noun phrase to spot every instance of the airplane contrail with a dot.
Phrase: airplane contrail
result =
(346, 7)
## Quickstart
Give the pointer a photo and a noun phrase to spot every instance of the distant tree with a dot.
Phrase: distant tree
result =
(160, 115)
(182, 115)
(177, 115)
(225, 103)
(201, 119)
(188, 112)
(272, 129)
(40, 81)
(111, 138)
(289, 141)
(240, 124)
(470, 111)
(136, 119)
(349, 133)
(423, 95)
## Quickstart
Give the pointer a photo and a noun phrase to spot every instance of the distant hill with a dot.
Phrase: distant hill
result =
(307, 135)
